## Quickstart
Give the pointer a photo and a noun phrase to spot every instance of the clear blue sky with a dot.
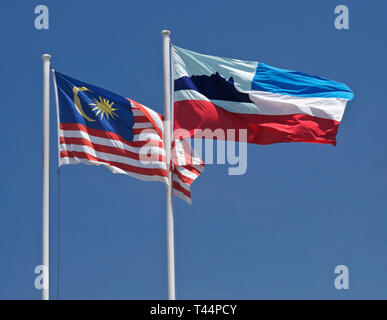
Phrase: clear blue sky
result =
(276, 232)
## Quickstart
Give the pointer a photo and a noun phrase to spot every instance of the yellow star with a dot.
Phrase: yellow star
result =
(104, 106)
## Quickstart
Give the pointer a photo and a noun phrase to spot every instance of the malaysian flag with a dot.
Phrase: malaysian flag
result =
(99, 127)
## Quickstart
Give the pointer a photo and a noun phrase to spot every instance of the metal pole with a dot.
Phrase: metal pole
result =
(167, 144)
(46, 178)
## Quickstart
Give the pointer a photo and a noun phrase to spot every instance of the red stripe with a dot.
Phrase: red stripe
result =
(192, 169)
(140, 119)
(183, 178)
(186, 179)
(178, 187)
(106, 134)
(145, 130)
(108, 149)
(123, 166)
(261, 129)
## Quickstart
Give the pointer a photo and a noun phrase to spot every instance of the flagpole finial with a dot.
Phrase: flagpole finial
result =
(46, 56)
(167, 32)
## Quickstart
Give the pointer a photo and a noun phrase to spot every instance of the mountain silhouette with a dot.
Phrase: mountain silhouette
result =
(214, 87)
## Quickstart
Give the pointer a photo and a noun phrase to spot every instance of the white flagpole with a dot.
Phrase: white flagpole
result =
(46, 179)
(167, 143)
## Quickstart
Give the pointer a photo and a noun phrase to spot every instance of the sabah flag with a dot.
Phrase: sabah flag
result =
(274, 105)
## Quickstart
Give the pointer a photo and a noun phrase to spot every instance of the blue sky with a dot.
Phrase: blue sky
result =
(276, 232)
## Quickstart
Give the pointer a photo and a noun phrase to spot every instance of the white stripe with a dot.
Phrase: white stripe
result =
(137, 112)
(187, 173)
(200, 167)
(143, 136)
(141, 125)
(180, 182)
(231, 106)
(182, 196)
(67, 160)
(281, 104)
(113, 157)
(189, 94)
(148, 134)
(268, 103)
(109, 142)
(196, 161)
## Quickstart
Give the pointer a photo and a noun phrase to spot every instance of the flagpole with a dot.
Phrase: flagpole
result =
(46, 178)
(166, 41)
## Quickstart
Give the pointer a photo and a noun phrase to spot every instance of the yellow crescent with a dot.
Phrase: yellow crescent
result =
(77, 102)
